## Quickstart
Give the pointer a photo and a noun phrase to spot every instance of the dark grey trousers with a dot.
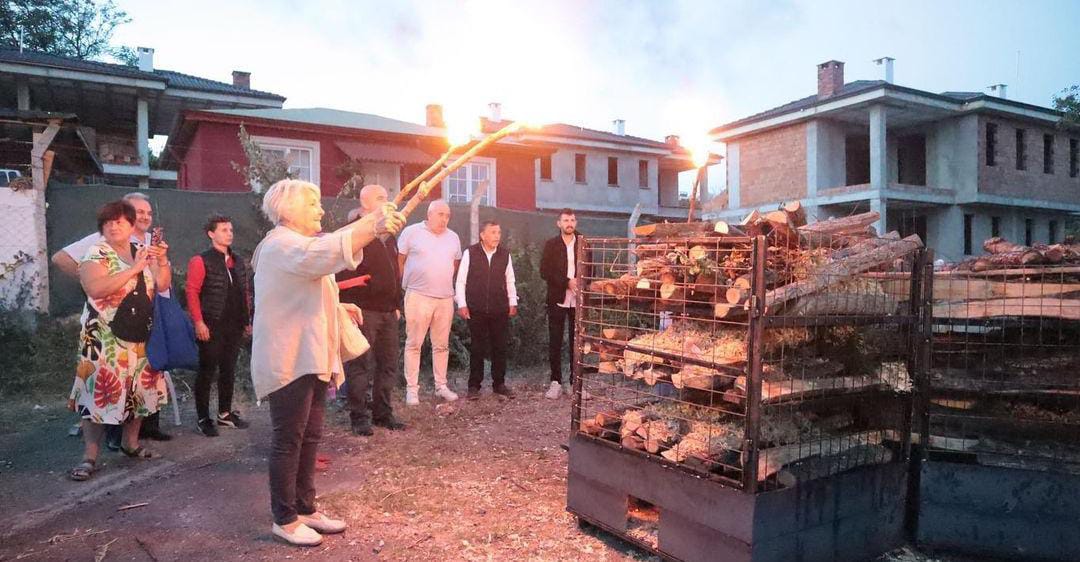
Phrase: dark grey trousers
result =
(374, 372)
(296, 415)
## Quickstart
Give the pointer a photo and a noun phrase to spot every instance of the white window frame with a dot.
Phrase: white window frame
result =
(277, 143)
(492, 181)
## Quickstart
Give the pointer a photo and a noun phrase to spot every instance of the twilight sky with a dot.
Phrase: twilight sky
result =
(663, 66)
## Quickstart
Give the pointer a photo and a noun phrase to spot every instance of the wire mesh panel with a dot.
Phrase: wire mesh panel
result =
(1004, 379)
(759, 362)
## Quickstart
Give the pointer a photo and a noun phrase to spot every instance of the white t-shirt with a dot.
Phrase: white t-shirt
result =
(78, 249)
(429, 263)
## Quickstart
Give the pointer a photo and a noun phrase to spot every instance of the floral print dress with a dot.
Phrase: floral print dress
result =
(113, 378)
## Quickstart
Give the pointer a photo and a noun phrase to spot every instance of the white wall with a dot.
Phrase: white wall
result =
(595, 194)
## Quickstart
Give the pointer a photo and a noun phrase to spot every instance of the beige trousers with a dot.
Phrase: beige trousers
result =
(423, 313)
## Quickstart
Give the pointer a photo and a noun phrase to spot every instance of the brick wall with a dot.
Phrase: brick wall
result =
(1004, 179)
(772, 166)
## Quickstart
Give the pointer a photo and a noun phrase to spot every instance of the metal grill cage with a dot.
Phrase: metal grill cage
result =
(746, 360)
(1004, 377)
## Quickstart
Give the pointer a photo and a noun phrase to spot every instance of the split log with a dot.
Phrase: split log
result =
(619, 288)
(834, 304)
(617, 334)
(729, 311)
(609, 419)
(633, 442)
(653, 267)
(837, 271)
(706, 440)
(795, 212)
(659, 435)
(653, 375)
(780, 229)
(673, 229)
(850, 225)
(700, 378)
(632, 420)
(771, 460)
(590, 427)
(1068, 309)
(609, 368)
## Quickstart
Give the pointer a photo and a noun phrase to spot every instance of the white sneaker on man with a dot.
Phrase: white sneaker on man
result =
(322, 524)
(412, 397)
(554, 391)
(445, 393)
(301, 536)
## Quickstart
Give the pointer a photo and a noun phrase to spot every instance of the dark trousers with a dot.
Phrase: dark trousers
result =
(296, 415)
(557, 317)
(375, 371)
(217, 358)
(488, 335)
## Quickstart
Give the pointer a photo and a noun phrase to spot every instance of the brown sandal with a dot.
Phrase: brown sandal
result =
(83, 471)
(139, 452)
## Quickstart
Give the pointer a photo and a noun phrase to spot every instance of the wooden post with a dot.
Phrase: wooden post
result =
(631, 224)
(42, 141)
(474, 212)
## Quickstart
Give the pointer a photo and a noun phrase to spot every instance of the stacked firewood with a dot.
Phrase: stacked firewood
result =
(810, 266)
(1008, 255)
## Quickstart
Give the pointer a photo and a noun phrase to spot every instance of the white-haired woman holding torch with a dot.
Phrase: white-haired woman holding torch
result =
(295, 347)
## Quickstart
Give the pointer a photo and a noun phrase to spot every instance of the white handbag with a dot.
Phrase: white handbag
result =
(353, 344)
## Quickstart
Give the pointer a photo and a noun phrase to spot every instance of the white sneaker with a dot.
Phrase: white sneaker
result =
(445, 393)
(554, 391)
(302, 536)
(322, 524)
(412, 397)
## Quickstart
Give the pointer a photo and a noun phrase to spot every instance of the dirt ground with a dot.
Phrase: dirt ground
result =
(483, 480)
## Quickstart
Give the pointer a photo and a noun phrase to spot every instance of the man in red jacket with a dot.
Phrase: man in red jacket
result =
(218, 297)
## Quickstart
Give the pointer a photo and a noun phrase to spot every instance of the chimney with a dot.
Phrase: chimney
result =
(241, 79)
(672, 140)
(888, 62)
(434, 116)
(618, 126)
(495, 112)
(830, 78)
(146, 59)
(1000, 89)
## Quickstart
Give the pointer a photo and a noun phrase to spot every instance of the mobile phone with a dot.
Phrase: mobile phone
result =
(157, 235)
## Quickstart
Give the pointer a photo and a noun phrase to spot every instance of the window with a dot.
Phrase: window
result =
(995, 226)
(968, 220)
(545, 168)
(991, 144)
(1021, 150)
(643, 174)
(302, 156)
(1074, 157)
(579, 168)
(613, 171)
(1028, 223)
(1048, 154)
(464, 181)
(1051, 233)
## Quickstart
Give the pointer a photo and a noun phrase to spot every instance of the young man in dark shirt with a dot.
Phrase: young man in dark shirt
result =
(218, 297)
(375, 287)
(559, 268)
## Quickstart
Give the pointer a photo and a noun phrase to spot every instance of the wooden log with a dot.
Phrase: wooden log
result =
(653, 267)
(864, 246)
(842, 303)
(999, 245)
(609, 368)
(617, 334)
(729, 311)
(1020, 272)
(739, 291)
(995, 261)
(700, 378)
(839, 270)
(850, 225)
(1068, 309)
(799, 389)
(659, 435)
(632, 420)
(771, 460)
(706, 284)
(780, 229)
(590, 427)
(724, 229)
(633, 442)
(610, 419)
(653, 250)
(673, 229)
(795, 212)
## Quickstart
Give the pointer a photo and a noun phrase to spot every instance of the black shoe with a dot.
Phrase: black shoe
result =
(389, 423)
(473, 394)
(362, 429)
(503, 390)
(231, 419)
(207, 427)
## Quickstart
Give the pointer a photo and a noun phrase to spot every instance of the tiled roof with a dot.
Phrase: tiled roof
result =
(170, 78)
(335, 118)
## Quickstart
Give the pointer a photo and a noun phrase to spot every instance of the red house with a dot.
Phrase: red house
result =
(325, 145)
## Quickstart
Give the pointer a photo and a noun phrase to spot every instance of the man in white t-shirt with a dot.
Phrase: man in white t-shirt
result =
(428, 256)
(67, 260)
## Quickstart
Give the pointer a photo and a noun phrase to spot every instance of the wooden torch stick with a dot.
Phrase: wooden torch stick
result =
(427, 185)
(427, 173)
(694, 193)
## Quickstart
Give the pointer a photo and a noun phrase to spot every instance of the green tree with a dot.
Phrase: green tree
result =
(1068, 102)
(81, 29)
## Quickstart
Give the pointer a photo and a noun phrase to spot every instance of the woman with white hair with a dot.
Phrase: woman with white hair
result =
(295, 346)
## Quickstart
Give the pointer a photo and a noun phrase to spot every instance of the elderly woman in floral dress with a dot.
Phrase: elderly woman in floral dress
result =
(295, 342)
(114, 383)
